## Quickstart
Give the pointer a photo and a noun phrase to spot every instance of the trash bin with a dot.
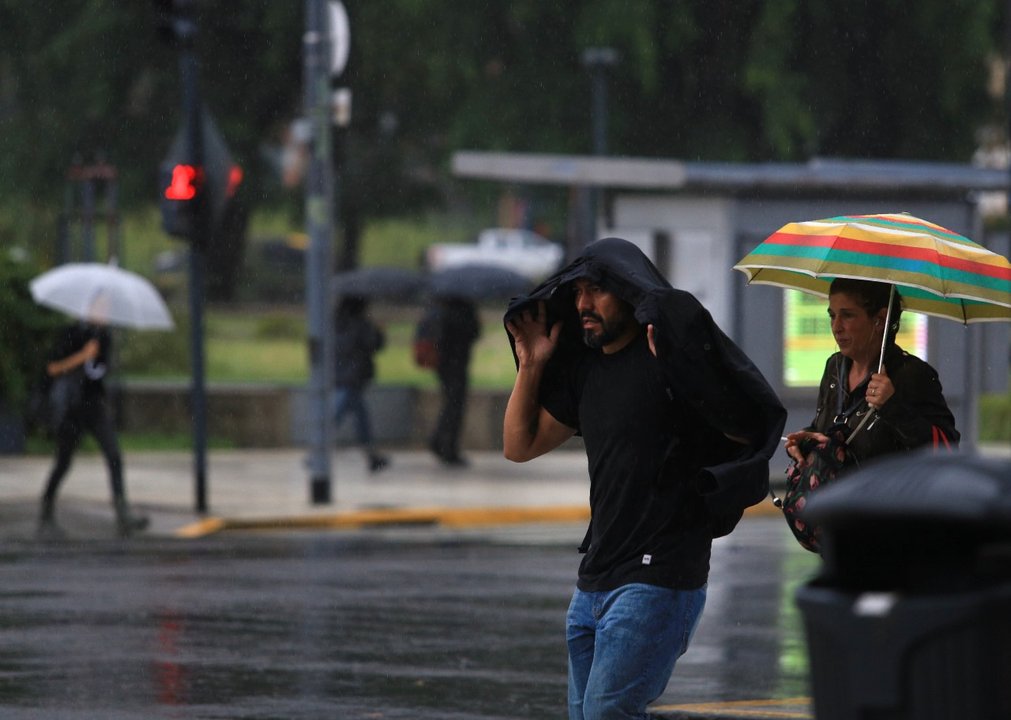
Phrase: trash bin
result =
(910, 617)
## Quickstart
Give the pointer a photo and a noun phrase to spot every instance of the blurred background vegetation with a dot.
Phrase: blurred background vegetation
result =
(713, 80)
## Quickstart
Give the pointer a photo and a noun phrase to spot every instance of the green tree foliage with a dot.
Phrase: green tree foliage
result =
(698, 79)
(876, 78)
(78, 77)
(26, 331)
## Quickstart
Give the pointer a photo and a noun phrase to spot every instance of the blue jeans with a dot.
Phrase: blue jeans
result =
(352, 399)
(623, 644)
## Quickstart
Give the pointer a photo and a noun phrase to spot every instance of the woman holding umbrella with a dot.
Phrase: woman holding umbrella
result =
(875, 398)
(80, 360)
(902, 392)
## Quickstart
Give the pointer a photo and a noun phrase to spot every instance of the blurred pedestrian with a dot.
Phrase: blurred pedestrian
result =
(678, 426)
(451, 327)
(358, 339)
(77, 369)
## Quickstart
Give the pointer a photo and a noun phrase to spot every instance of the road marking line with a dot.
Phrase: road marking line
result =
(745, 708)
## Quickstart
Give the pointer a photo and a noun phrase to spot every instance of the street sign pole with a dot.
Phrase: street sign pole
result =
(193, 119)
(320, 223)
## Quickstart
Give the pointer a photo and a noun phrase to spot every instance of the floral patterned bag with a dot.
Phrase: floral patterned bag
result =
(820, 466)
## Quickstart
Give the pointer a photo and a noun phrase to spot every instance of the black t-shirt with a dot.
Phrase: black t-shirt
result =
(74, 337)
(646, 526)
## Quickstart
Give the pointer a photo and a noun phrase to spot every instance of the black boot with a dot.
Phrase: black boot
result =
(126, 522)
(377, 462)
(47, 528)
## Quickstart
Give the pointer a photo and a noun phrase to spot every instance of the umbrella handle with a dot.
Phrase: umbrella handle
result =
(888, 322)
(881, 363)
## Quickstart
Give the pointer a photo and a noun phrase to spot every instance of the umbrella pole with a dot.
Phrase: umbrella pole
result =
(888, 322)
(881, 362)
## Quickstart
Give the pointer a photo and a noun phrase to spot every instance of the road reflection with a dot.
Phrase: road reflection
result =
(415, 624)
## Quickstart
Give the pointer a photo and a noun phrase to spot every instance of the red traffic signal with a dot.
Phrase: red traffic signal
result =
(234, 179)
(184, 182)
(195, 195)
(182, 198)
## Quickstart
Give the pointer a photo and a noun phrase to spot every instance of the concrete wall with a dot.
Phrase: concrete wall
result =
(277, 415)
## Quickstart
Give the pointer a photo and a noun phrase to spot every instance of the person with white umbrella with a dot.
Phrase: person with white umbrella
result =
(77, 368)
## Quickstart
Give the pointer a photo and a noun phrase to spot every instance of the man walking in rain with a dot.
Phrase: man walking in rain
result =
(678, 425)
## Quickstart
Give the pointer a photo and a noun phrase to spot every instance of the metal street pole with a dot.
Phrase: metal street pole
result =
(193, 119)
(598, 60)
(320, 223)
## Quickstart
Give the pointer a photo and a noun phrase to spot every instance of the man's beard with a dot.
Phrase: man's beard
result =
(608, 332)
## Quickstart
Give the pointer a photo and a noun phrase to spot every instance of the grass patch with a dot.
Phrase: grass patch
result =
(244, 346)
(995, 418)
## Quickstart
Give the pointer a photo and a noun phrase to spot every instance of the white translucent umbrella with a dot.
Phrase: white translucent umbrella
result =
(104, 294)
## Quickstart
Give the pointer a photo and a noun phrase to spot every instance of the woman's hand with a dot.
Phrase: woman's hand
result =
(86, 353)
(793, 441)
(879, 389)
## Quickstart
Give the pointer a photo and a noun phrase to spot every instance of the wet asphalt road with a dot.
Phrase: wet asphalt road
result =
(399, 623)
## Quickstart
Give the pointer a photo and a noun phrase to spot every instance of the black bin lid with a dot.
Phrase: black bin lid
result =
(916, 521)
(923, 486)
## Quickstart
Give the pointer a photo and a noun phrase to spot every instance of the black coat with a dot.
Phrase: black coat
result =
(697, 360)
(358, 339)
(905, 422)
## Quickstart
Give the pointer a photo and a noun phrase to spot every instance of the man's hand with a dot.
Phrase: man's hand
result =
(528, 430)
(651, 337)
(534, 343)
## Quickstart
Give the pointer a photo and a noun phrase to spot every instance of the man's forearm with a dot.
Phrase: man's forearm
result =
(519, 427)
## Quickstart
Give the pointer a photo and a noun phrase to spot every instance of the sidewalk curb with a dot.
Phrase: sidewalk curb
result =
(357, 519)
(465, 517)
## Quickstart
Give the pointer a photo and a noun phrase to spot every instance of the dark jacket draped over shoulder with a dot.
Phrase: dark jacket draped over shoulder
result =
(700, 364)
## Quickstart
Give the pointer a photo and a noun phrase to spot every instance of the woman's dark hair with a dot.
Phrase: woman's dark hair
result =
(872, 297)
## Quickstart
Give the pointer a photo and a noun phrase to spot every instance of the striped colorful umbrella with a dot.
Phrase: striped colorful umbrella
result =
(938, 272)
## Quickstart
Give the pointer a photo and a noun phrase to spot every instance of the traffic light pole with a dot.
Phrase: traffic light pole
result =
(193, 119)
(320, 223)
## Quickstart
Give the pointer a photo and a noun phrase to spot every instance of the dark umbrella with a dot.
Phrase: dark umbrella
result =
(378, 283)
(477, 282)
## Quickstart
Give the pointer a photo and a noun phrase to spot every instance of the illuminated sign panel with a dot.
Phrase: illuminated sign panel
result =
(808, 338)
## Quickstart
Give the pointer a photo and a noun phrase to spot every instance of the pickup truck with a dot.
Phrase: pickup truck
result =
(522, 251)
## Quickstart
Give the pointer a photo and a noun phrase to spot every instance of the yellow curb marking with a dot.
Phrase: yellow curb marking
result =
(200, 528)
(747, 708)
(446, 517)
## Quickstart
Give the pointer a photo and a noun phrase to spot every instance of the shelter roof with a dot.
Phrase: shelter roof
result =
(655, 174)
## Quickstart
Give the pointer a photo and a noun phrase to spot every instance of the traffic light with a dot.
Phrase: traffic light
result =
(194, 198)
(182, 198)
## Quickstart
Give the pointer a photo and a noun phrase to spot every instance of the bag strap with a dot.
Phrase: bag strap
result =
(939, 438)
